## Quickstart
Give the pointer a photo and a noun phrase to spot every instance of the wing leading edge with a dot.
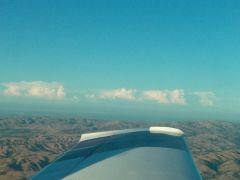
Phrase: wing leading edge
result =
(132, 154)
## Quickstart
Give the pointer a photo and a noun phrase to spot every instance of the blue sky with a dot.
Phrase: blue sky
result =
(122, 59)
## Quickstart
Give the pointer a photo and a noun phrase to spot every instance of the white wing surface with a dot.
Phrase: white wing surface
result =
(132, 154)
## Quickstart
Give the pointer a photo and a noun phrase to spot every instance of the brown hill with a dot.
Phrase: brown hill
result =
(27, 144)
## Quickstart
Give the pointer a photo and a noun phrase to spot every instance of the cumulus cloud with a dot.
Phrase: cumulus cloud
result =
(75, 98)
(122, 93)
(206, 97)
(127, 94)
(91, 96)
(49, 90)
(165, 96)
(156, 95)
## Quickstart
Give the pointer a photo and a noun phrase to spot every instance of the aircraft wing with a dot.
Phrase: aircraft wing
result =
(132, 154)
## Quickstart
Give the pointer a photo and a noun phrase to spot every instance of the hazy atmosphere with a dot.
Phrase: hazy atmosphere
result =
(127, 59)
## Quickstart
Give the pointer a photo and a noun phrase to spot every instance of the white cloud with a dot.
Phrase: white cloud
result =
(156, 95)
(75, 98)
(127, 94)
(165, 96)
(90, 96)
(162, 96)
(48, 90)
(206, 97)
(177, 96)
(122, 93)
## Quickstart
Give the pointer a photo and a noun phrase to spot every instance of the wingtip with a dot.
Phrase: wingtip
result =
(166, 130)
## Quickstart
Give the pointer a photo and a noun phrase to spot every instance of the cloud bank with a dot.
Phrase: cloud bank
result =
(206, 97)
(165, 96)
(41, 89)
(122, 93)
(55, 90)
(161, 96)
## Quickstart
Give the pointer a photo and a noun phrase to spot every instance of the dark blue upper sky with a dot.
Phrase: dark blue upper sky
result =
(151, 49)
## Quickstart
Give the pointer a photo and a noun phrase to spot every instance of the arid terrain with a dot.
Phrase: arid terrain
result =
(27, 144)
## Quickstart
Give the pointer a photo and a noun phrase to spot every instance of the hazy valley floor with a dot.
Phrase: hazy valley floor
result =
(27, 144)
